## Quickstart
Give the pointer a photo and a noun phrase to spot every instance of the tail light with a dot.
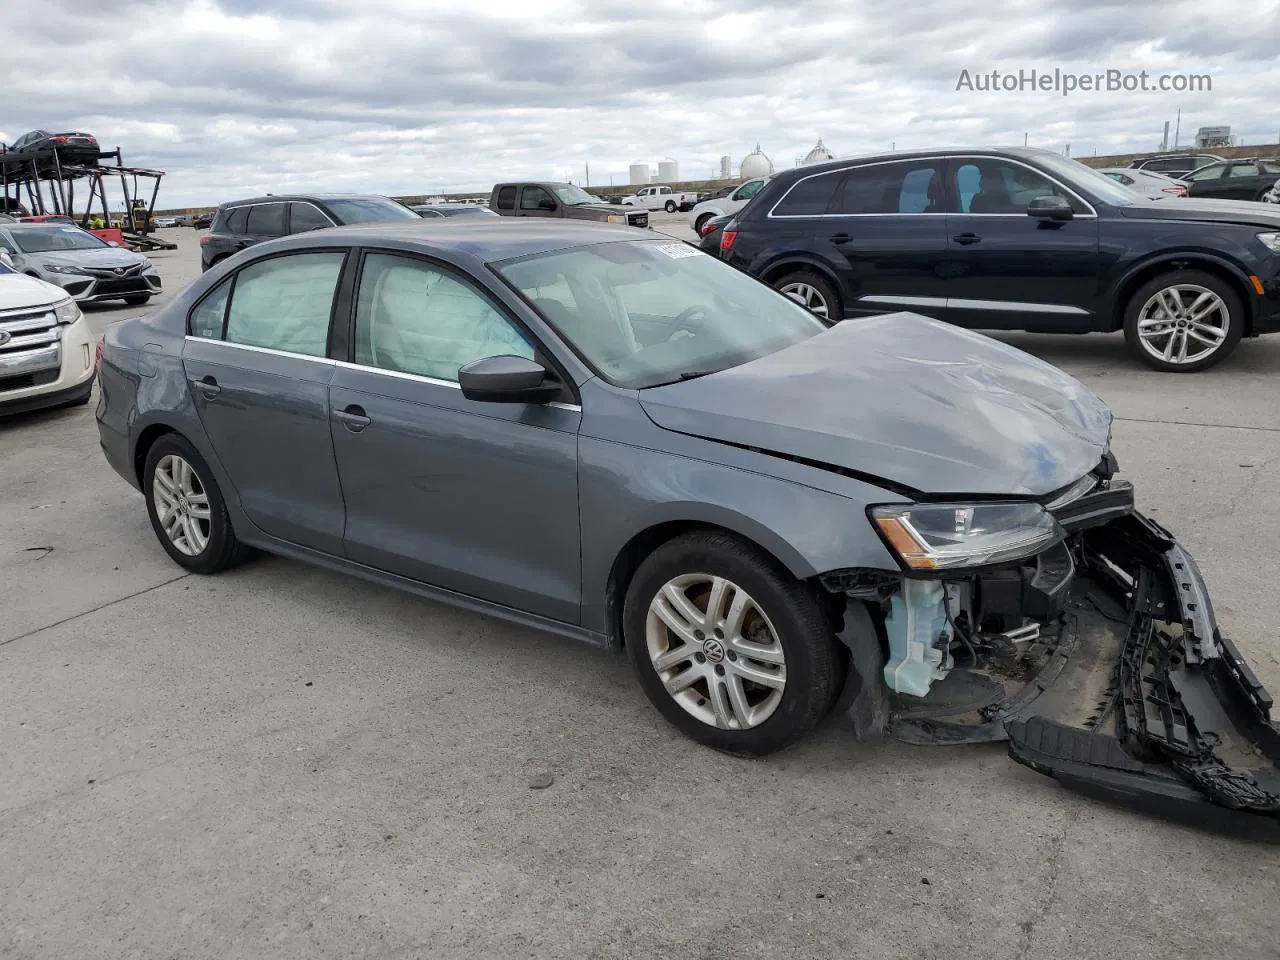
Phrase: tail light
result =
(729, 236)
(57, 139)
(706, 228)
(1176, 191)
(204, 241)
(98, 351)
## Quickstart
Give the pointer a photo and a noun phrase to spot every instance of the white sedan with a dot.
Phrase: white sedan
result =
(1155, 186)
(46, 350)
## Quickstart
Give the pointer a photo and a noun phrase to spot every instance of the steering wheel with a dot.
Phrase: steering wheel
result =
(684, 320)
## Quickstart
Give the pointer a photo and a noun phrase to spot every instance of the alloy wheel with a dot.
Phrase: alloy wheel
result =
(716, 652)
(182, 505)
(807, 295)
(1183, 323)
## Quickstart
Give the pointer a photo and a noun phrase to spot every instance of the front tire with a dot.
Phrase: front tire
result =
(813, 292)
(1183, 321)
(186, 508)
(731, 649)
(138, 300)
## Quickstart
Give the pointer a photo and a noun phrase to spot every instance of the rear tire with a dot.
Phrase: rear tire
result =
(1187, 314)
(701, 221)
(813, 291)
(670, 206)
(187, 511)
(767, 626)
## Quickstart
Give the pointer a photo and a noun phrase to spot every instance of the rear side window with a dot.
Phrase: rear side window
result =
(267, 220)
(284, 303)
(889, 188)
(235, 220)
(208, 318)
(506, 198)
(810, 197)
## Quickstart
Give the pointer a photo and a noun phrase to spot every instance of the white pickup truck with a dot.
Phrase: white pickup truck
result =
(660, 197)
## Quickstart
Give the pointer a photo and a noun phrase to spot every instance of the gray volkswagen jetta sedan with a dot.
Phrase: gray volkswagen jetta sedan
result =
(612, 436)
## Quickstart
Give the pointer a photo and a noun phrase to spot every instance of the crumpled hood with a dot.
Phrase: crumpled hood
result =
(910, 400)
(105, 257)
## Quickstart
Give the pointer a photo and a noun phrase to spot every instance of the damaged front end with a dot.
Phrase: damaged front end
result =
(1097, 657)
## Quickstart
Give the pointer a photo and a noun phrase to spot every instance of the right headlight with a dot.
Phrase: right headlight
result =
(1271, 241)
(943, 536)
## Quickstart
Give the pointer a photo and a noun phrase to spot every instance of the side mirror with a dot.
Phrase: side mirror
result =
(507, 379)
(5, 259)
(1050, 208)
(546, 204)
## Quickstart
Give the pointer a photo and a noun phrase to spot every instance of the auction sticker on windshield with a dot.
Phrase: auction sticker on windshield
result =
(678, 251)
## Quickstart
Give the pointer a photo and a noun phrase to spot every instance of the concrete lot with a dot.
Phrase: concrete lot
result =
(283, 762)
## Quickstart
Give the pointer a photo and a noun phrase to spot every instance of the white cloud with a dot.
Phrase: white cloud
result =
(244, 96)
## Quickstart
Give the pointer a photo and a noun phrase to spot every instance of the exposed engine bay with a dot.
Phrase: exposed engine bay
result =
(1098, 660)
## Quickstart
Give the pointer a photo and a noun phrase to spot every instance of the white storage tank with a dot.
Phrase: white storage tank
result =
(639, 173)
(726, 168)
(668, 171)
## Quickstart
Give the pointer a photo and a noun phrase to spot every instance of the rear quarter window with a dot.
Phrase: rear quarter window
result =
(235, 220)
(506, 198)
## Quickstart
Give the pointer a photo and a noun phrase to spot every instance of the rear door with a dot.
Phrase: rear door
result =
(477, 498)
(1011, 271)
(884, 225)
(266, 222)
(258, 373)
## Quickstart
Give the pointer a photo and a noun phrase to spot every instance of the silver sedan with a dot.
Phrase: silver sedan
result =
(87, 267)
(1154, 186)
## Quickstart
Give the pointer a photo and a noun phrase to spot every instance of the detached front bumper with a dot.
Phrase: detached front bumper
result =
(1115, 680)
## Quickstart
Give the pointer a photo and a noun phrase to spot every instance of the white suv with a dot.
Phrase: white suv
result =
(719, 206)
(46, 351)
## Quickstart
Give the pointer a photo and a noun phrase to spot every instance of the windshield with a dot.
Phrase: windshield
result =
(1076, 174)
(649, 312)
(572, 196)
(368, 210)
(47, 239)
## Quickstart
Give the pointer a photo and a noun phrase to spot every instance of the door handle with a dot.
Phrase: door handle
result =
(964, 239)
(840, 238)
(208, 387)
(353, 418)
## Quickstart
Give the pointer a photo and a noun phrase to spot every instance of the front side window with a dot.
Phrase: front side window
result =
(267, 220)
(284, 303)
(748, 190)
(648, 312)
(412, 317)
(993, 186)
(887, 188)
(535, 198)
(306, 216)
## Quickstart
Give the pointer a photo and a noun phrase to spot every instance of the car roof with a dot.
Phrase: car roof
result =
(285, 197)
(1019, 153)
(488, 239)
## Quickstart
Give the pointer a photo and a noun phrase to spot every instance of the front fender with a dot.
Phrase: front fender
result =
(808, 530)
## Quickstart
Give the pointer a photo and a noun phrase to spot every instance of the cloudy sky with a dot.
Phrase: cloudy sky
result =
(237, 97)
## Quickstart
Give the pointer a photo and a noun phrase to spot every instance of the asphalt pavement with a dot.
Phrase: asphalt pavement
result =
(282, 762)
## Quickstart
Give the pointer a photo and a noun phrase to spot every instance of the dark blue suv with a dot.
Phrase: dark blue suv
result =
(1016, 240)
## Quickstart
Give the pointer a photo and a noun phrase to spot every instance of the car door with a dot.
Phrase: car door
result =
(884, 226)
(477, 498)
(742, 196)
(537, 201)
(1249, 179)
(1208, 181)
(1007, 269)
(266, 222)
(257, 369)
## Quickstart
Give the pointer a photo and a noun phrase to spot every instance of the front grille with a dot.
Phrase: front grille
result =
(640, 219)
(31, 347)
(136, 285)
(110, 272)
(26, 381)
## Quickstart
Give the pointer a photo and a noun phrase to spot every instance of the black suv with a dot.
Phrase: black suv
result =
(1016, 240)
(243, 223)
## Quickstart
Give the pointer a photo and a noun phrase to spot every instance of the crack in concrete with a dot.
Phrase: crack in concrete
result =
(85, 613)
(1191, 423)
(1059, 844)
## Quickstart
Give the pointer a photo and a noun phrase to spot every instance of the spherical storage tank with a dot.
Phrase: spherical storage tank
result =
(668, 171)
(755, 164)
(639, 173)
(818, 154)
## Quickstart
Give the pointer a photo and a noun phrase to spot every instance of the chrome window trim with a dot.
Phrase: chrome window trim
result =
(1093, 212)
(431, 381)
(255, 349)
